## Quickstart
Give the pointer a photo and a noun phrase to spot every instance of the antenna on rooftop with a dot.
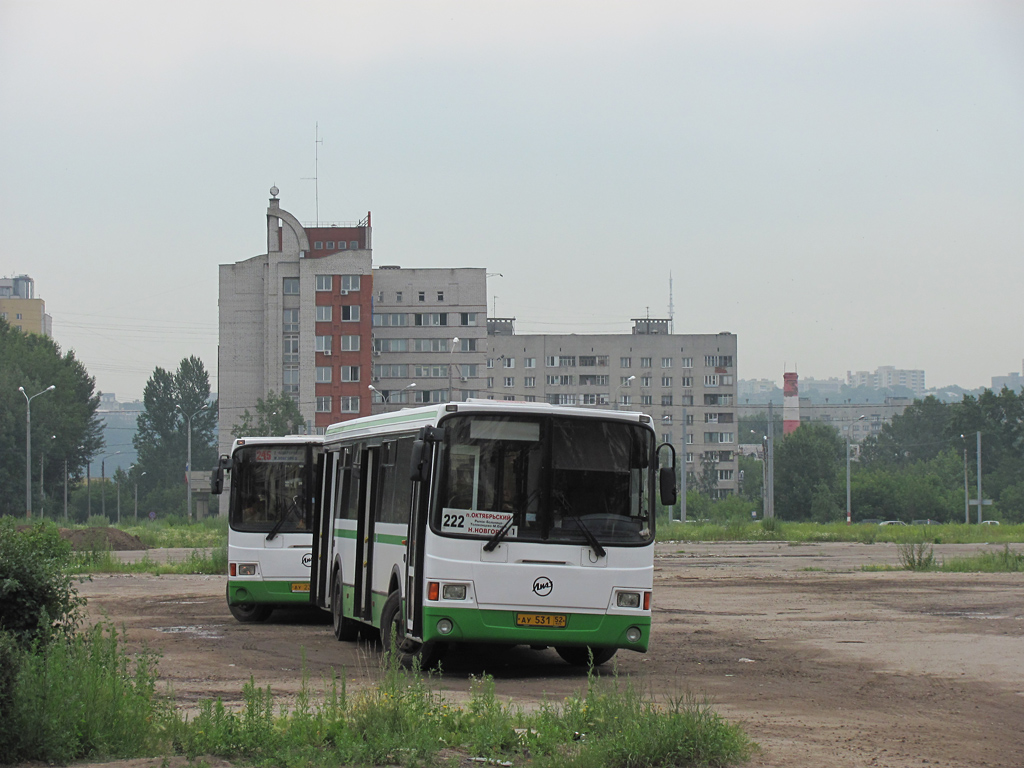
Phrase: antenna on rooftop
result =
(315, 178)
(671, 305)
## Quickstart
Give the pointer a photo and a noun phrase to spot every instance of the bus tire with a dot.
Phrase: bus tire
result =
(392, 636)
(248, 613)
(344, 628)
(579, 655)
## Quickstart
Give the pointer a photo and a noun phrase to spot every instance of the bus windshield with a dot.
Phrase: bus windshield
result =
(546, 478)
(267, 491)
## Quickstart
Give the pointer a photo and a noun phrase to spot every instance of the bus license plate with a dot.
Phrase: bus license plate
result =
(556, 620)
(300, 586)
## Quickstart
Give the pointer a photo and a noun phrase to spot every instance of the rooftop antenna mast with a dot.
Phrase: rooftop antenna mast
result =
(315, 178)
(671, 305)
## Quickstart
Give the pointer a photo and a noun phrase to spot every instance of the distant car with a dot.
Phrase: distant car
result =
(925, 522)
(990, 522)
(892, 522)
(870, 522)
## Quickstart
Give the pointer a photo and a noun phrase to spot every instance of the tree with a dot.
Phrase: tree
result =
(173, 402)
(807, 468)
(707, 482)
(64, 421)
(276, 416)
(921, 432)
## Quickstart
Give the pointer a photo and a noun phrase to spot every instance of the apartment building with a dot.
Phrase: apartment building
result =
(685, 382)
(20, 307)
(429, 335)
(297, 320)
(886, 376)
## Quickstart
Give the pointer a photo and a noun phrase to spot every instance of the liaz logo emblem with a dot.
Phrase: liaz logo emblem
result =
(307, 559)
(542, 586)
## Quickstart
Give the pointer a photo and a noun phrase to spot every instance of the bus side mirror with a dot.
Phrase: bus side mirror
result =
(217, 476)
(667, 477)
(419, 465)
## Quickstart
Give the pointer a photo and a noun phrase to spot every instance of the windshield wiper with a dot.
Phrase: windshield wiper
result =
(284, 516)
(501, 533)
(591, 539)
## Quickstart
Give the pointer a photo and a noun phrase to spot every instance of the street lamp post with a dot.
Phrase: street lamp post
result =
(42, 485)
(627, 383)
(137, 495)
(386, 399)
(451, 353)
(188, 469)
(28, 445)
(848, 508)
(103, 481)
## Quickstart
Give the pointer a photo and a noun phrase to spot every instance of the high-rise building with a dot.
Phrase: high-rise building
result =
(887, 376)
(20, 307)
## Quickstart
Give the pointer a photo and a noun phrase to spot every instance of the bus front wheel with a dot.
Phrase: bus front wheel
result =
(248, 613)
(579, 656)
(344, 627)
(392, 635)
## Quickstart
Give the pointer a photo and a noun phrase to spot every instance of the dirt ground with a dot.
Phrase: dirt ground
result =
(824, 664)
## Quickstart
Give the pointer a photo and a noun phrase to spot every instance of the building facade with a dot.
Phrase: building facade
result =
(20, 307)
(887, 376)
(685, 382)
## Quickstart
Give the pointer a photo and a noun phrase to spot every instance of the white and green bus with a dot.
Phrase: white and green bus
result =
(491, 522)
(270, 512)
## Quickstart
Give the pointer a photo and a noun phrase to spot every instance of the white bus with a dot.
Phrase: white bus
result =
(491, 522)
(270, 511)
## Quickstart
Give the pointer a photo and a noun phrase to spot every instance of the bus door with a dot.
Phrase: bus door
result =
(328, 467)
(420, 470)
(369, 471)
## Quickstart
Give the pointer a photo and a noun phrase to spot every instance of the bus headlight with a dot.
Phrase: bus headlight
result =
(628, 600)
(454, 592)
(633, 634)
(445, 626)
(247, 569)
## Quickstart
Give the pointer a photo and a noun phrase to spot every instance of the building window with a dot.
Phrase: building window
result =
(430, 318)
(490, 363)
(666, 362)
(529, 381)
(666, 399)
(430, 371)
(625, 362)
(350, 405)
(318, 245)
(687, 362)
(626, 381)
(686, 381)
(430, 345)
(646, 400)
(666, 418)
(324, 282)
(291, 349)
(290, 381)
(718, 361)
(397, 371)
(666, 381)
(726, 380)
(490, 382)
(645, 381)
(390, 320)
(353, 244)
(469, 371)
(440, 295)
(290, 322)
(291, 286)
(330, 245)
(588, 399)
(529, 362)
(645, 362)
(351, 343)
(510, 381)
(398, 297)
(324, 314)
(323, 404)
(421, 296)
(509, 397)
(342, 244)
(350, 282)
(711, 380)
(323, 344)
(350, 313)
(467, 345)
(686, 400)
(626, 400)
(508, 362)
(323, 374)
(467, 318)
(390, 345)
(350, 373)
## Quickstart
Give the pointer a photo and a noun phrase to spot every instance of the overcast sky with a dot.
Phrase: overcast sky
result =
(841, 184)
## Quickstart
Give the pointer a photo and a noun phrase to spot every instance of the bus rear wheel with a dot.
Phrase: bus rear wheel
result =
(579, 655)
(248, 613)
(392, 636)
(344, 627)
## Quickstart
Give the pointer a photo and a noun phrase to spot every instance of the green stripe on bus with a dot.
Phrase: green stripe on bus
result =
(401, 418)
(390, 538)
(345, 533)
(596, 629)
(266, 592)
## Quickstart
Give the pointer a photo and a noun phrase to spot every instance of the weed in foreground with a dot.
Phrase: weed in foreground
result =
(915, 555)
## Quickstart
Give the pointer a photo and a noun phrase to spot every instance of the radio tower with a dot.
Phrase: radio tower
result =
(671, 306)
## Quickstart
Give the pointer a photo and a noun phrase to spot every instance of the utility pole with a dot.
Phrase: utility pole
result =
(769, 467)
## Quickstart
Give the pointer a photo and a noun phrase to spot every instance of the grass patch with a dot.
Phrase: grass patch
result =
(1005, 560)
(213, 562)
(776, 530)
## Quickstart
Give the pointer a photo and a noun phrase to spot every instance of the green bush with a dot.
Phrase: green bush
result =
(37, 597)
